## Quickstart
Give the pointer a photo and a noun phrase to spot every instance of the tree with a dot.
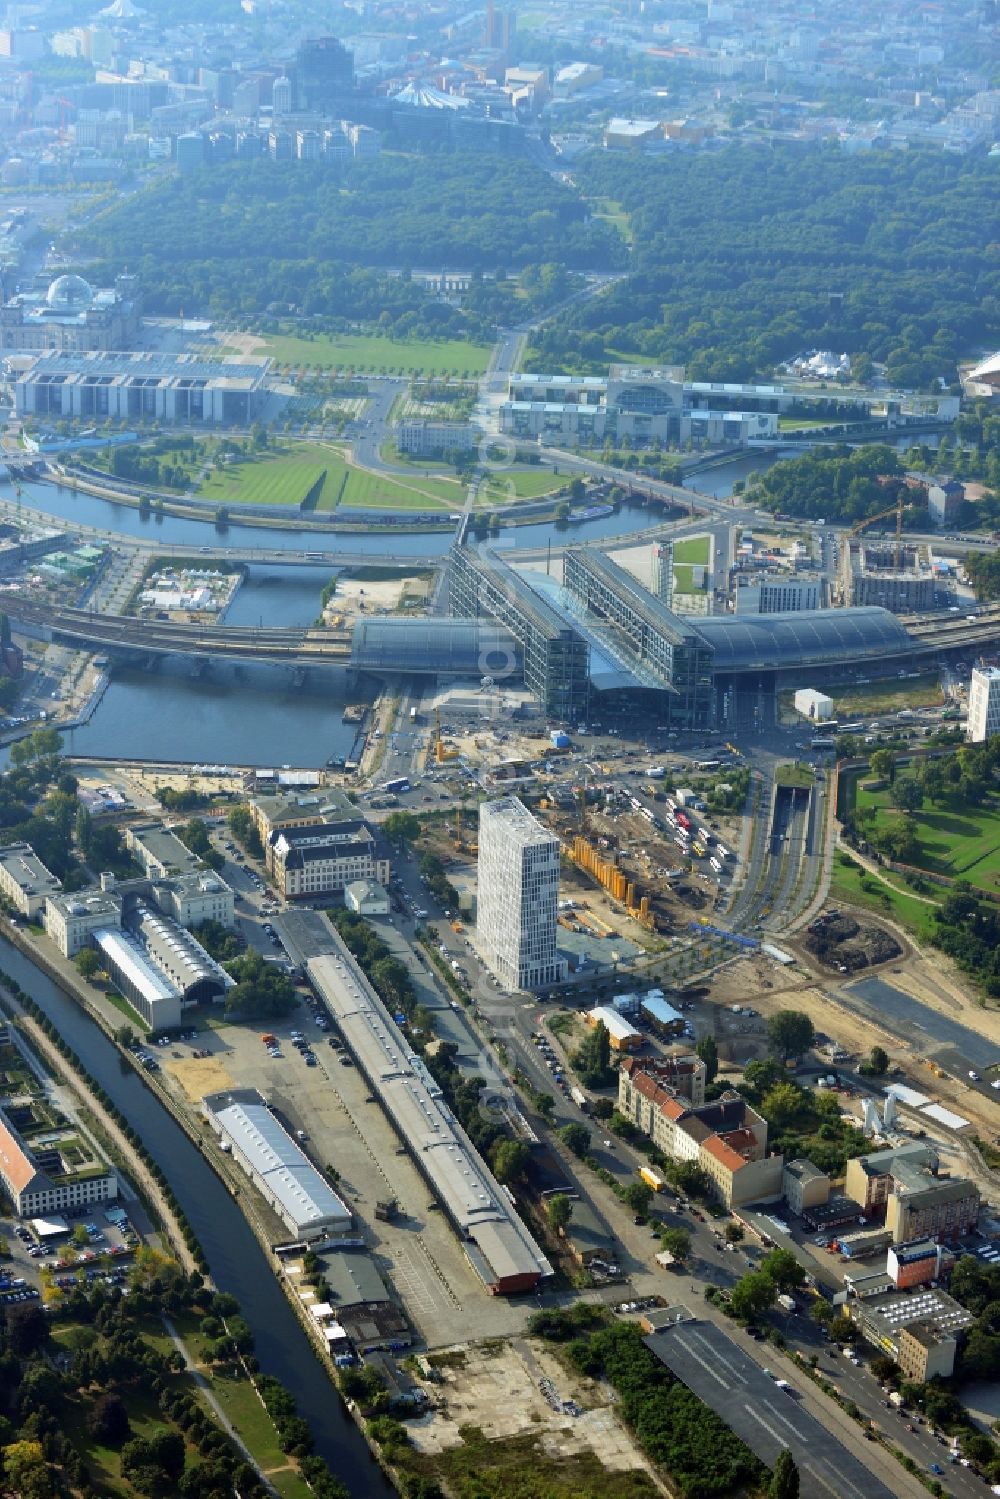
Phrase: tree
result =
(782, 1270)
(638, 1197)
(782, 1104)
(842, 1329)
(592, 1058)
(878, 1061)
(510, 1160)
(401, 827)
(27, 1329)
(882, 763)
(709, 1054)
(908, 795)
(108, 1420)
(760, 1076)
(734, 1233)
(784, 1478)
(560, 1210)
(677, 1241)
(26, 1470)
(790, 1033)
(752, 1295)
(577, 1138)
(821, 1311)
(88, 964)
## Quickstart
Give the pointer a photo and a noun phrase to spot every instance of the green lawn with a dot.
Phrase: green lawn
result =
(684, 579)
(285, 476)
(369, 351)
(613, 213)
(520, 484)
(912, 914)
(963, 843)
(696, 549)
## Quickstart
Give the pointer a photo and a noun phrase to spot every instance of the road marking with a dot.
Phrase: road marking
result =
(839, 1492)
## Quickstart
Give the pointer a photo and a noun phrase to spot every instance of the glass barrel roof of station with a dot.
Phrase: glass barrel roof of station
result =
(816, 637)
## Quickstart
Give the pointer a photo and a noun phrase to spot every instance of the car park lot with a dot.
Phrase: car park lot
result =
(107, 1255)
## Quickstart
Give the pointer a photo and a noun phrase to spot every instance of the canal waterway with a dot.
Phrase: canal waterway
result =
(237, 1262)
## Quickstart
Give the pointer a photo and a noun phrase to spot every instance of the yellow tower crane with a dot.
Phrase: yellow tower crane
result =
(896, 510)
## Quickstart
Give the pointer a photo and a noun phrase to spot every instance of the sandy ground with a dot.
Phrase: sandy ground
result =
(496, 1389)
(355, 598)
(199, 1076)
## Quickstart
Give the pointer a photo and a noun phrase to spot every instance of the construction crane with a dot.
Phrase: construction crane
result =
(897, 511)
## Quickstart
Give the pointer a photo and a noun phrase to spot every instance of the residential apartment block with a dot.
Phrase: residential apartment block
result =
(726, 1138)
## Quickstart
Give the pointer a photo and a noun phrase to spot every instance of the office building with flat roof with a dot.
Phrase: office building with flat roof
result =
(517, 896)
(190, 899)
(984, 704)
(71, 920)
(932, 1317)
(160, 852)
(668, 645)
(142, 387)
(24, 879)
(765, 594)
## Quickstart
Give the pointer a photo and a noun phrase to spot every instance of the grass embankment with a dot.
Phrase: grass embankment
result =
(286, 474)
(853, 885)
(794, 775)
(962, 844)
(373, 352)
(519, 484)
(870, 700)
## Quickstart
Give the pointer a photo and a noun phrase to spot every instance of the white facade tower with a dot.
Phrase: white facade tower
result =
(984, 704)
(517, 900)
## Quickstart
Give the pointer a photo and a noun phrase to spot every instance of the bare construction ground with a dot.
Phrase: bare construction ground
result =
(497, 1389)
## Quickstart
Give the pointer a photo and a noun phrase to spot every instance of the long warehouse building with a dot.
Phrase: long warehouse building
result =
(282, 1173)
(497, 1245)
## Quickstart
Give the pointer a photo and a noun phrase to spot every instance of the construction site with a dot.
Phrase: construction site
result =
(888, 573)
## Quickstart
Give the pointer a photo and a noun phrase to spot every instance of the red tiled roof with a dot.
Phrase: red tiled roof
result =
(17, 1166)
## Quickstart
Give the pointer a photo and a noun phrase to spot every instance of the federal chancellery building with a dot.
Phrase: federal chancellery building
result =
(643, 405)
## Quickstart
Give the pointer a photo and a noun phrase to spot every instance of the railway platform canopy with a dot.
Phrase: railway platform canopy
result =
(815, 638)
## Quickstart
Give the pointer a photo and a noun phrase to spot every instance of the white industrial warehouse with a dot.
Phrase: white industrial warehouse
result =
(496, 1242)
(281, 1172)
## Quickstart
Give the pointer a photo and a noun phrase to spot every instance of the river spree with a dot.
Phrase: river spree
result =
(259, 715)
(238, 1263)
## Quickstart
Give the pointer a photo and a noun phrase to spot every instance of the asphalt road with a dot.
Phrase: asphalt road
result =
(767, 1418)
(951, 1043)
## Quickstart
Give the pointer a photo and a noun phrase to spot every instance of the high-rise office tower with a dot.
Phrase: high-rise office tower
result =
(517, 899)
